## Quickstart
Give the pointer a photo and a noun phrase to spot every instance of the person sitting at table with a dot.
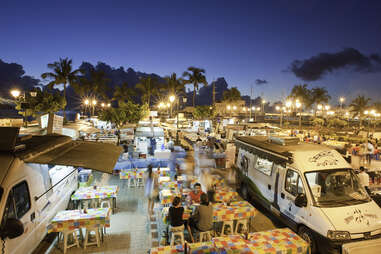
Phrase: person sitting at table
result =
(176, 211)
(196, 193)
(202, 219)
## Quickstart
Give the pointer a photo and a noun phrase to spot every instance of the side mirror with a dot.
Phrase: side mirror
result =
(301, 200)
(13, 228)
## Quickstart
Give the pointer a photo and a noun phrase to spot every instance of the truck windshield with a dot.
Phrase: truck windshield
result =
(338, 187)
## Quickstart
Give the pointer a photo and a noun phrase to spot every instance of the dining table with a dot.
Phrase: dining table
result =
(77, 219)
(225, 194)
(96, 193)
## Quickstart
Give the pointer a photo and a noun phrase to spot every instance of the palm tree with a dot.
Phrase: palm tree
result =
(319, 95)
(302, 93)
(123, 93)
(358, 106)
(96, 84)
(62, 73)
(175, 86)
(195, 76)
(232, 95)
(149, 87)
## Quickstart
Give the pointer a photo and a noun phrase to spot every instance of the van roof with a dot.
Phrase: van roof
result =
(304, 156)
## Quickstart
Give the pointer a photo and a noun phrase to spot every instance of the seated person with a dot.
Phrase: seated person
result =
(202, 219)
(175, 215)
(195, 194)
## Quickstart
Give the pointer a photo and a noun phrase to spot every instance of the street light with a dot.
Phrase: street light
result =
(108, 105)
(281, 115)
(87, 102)
(298, 105)
(103, 105)
(288, 104)
(172, 98)
(15, 93)
(327, 107)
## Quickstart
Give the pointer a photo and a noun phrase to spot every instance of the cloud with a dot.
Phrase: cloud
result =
(315, 67)
(261, 82)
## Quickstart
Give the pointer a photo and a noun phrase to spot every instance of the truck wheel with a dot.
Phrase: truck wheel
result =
(306, 234)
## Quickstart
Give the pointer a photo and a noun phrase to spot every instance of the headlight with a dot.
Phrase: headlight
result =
(338, 235)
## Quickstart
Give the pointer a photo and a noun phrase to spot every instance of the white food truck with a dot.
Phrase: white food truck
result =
(313, 190)
(38, 175)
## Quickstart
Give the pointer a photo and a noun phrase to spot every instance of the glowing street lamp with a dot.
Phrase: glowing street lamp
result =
(288, 104)
(234, 107)
(15, 93)
(327, 107)
(108, 105)
(103, 105)
(87, 102)
(172, 98)
(320, 107)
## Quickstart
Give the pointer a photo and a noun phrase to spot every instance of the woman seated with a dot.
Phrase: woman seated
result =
(202, 219)
(176, 212)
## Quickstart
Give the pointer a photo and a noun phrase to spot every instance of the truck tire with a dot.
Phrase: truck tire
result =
(307, 235)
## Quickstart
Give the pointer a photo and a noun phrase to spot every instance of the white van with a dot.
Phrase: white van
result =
(313, 190)
(37, 179)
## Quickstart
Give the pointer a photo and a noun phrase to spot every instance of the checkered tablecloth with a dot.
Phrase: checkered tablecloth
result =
(167, 249)
(202, 248)
(225, 194)
(222, 212)
(231, 244)
(166, 196)
(99, 192)
(168, 185)
(217, 180)
(131, 174)
(72, 219)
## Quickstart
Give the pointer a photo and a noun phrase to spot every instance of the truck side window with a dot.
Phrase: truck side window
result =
(22, 200)
(293, 183)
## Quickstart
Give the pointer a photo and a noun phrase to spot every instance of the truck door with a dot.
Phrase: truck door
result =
(290, 186)
(19, 206)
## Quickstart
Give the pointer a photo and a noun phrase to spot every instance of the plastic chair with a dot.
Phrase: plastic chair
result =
(66, 235)
(229, 223)
(205, 234)
(242, 223)
(177, 231)
(97, 237)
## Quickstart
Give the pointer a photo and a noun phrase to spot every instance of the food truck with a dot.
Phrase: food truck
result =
(38, 175)
(312, 189)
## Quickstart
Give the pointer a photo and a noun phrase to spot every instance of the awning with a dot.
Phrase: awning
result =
(93, 155)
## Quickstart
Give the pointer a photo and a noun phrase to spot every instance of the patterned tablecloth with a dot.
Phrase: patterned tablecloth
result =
(202, 248)
(231, 244)
(167, 249)
(72, 219)
(217, 180)
(101, 192)
(225, 194)
(166, 196)
(131, 173)
(235, 211)
(168, 185)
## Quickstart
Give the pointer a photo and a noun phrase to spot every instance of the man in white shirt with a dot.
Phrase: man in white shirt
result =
(364, 179)
(369, 152)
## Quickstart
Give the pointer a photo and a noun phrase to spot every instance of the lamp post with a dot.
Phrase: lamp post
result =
(171, 100)
(342, 99)
(17, 95)
(281, 115)
(298, 106)
(263, 106)
(228, 108)
(93, 104)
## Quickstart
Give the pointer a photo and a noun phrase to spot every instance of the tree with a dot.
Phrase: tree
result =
(358, 106)
(123, 93)
(149, 87)
(204, 112)
(195, 76)
(302, 93)
(319, 95)
(62, 73)
(175, 86)
(128, 112)
(232, 94)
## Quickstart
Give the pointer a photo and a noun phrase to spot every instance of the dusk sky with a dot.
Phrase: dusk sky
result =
(239, 40)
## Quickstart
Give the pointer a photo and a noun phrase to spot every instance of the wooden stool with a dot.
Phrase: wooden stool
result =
(242, 223)
(97, 237)
(229, 223)
(66, 238)
(131, 182)
(203, 234)
(105, 204)
(177, 231)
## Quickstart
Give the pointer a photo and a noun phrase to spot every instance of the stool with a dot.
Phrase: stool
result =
(131, 182)
(66, 238)
(139, 182)
(227, 223)
(242, 223)
(177, 231)
(105, 204)
(203, 234)
(88, 233)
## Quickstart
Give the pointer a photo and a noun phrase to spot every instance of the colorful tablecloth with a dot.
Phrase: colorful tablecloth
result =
(166, 196)
(186, 215)
(202, 248)
(222, 212)
(225, 194)
(167, 249)
(217, 180)
(101, 192)
(72, 219)
(168, 185)
(131, 173)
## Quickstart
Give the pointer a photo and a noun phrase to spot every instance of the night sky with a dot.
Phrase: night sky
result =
(240, 40)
